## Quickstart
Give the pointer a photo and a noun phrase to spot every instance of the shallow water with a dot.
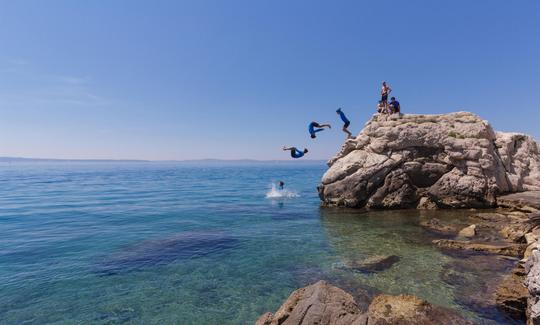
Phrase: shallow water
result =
(148, 243)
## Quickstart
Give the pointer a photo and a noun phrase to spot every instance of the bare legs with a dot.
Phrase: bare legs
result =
(349, 134)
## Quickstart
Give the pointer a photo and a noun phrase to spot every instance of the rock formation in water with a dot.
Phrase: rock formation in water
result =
(324, 304)
(428, 161)
(186, 245)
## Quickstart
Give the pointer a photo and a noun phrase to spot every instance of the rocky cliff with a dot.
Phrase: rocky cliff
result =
(448, 161)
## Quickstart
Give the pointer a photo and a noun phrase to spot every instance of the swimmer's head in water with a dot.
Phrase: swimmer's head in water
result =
(313, 136)
(338, 110)
(305, 151)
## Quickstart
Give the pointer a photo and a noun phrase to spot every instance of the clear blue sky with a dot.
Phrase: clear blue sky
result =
(239, 79)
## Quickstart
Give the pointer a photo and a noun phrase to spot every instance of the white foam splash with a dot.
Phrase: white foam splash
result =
(275, 193)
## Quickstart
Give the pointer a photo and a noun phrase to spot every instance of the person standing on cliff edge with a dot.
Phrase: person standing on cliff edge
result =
(385, 91)
(345, 121)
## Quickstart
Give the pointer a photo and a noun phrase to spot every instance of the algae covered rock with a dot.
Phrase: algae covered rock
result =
(407, 309)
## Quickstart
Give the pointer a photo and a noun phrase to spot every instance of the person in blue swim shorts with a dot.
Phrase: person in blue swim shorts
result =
(295, 153)
(346, 122)
(320, 127)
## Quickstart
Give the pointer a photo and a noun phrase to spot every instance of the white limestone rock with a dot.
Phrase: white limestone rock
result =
(455, 160)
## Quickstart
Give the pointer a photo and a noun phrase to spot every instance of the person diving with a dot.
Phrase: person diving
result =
(320, 127)
(295, 153)
(345, 121)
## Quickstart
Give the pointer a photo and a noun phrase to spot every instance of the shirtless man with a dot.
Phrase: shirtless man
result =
(385, 91)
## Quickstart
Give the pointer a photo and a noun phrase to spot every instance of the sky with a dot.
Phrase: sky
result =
(173, 80)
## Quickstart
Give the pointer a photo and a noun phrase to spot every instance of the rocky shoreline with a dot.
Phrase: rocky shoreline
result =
(432, 162)
(324, 304)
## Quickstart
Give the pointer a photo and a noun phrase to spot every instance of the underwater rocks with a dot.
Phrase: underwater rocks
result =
(511, 295)
(407, 309)
(164, 251)
(448, 161)
(435, 225)
(468, 232)
(508, 249)
(475, 279)
(371, 264)
(324, 304)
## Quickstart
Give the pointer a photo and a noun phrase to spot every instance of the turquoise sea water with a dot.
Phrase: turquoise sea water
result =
(148, 243)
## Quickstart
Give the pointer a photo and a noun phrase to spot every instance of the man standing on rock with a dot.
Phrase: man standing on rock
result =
(345, 121)
(385, 91)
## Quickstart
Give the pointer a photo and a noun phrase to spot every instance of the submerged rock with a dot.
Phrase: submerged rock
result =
(512, 294)
(508, 249)
(407, 309)
(449, 160)
(164, 251)
(468, 232)
(325, 304)
(435, 225)
(475, 279)
(372, 264)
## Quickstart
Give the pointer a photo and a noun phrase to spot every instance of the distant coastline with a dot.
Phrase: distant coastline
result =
(187, 161)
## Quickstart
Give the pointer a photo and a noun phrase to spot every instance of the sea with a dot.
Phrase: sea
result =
(207, 243)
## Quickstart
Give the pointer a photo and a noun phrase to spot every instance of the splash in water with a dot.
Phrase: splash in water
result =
(276, 193)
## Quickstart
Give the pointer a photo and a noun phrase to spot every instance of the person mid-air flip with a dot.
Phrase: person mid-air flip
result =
(345, 121)
(295, 153)
(320, 127)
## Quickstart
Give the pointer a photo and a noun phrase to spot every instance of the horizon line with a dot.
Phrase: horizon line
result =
(14, 159)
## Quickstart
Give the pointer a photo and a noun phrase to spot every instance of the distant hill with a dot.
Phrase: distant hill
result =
(21, 159)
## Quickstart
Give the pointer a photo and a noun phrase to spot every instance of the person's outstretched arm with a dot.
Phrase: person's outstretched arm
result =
(326, 125)
(285, 148)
